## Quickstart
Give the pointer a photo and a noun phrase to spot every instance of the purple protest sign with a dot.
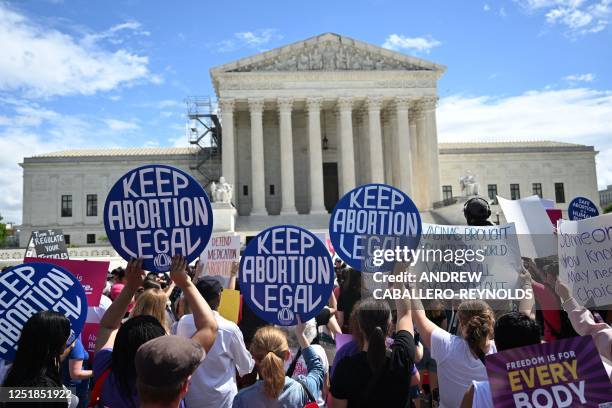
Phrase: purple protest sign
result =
(564, 373)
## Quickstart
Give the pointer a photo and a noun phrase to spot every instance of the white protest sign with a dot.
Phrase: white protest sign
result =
(220, 253)
(496, 267)
(535, 232)
(585, 259)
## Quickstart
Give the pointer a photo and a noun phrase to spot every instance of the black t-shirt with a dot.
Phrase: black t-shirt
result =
(352, 380)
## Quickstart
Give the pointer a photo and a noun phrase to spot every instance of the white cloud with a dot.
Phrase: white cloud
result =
(28, 129)
(486, 7)
(578, 16)
(399, 42)
(120, 125)
(580, 78)
(249, 39)
(43, 62)
(575, 115)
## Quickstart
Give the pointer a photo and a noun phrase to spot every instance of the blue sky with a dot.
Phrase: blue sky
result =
(78, 74)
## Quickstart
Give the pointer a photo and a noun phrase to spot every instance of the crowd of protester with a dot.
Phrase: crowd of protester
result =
(163, 343)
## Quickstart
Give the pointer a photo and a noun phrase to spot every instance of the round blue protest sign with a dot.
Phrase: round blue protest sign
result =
(34, 287)
(286, 271)
(156, 211)
(580, 208)
(373, 218)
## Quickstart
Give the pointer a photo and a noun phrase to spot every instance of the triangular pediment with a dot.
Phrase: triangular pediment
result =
(328, 52)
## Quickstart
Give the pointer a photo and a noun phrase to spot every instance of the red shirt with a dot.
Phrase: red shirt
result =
(550, 305)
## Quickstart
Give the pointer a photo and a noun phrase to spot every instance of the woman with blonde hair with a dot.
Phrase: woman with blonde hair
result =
(270, 350)
(459, 359)
(152, 302)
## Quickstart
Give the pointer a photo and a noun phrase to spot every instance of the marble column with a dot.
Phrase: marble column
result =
(317, 203)
(347, 152)
(377, 170)
(416, 165)
(424, 168)
(228, 156)
(403, 154)
(286, 147)
(258, 181)
(429, 107)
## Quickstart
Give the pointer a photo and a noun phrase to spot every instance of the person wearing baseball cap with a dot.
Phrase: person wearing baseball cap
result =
(164, 367)
(214, 384)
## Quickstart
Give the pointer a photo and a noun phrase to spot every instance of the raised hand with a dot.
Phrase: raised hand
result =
(134, 274)
(178, 272)
(525, 278)
(562, 290)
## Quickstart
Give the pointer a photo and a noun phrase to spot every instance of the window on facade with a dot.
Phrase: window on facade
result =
(515, 191)
(91, 238)
(492, 191)
(67, 239)
(66, 206)
(537, 189)
(245, 190)
(92, 205)
(559, 193)
(447, 192)
(271, 189)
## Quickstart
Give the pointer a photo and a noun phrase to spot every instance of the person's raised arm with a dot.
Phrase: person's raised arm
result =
(231, 284)
(404, 314)
(316, 373)
(75, 367)
(527, 304)
(424, 326)
(111, 321)
(203, 317)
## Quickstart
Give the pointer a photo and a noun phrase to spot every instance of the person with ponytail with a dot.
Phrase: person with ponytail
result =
(460, 360)
(377, 376)
(270, 350)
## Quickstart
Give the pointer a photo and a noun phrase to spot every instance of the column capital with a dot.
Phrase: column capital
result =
(227, 105)
(403, 102)
(284, 104)
(417, 111)
(345, 103)
(373, 103)
(314, 104)
(429, 103)
(256, 105)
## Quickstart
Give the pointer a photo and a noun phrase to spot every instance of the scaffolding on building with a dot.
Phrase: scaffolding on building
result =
(204, 132)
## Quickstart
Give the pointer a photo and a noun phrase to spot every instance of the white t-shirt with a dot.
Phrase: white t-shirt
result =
(482, 395)
(213, 384)
(457, 366)
(301, 369)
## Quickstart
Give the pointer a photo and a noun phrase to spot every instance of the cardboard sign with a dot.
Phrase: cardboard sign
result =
(229, 307)
(564, 373)
(370, 217)
(222, 251)
(91, 274)
(284, 272)
(156, 211)
(47, 244)
(580, 208)
(535, 232)
(498, 246)
(585, 259)
(30, 288)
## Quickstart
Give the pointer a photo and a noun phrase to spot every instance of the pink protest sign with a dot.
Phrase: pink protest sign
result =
(91, 274)
(555, 215)
(88, 338)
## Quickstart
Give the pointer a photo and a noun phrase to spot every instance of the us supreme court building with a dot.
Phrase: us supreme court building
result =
(301, 125)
